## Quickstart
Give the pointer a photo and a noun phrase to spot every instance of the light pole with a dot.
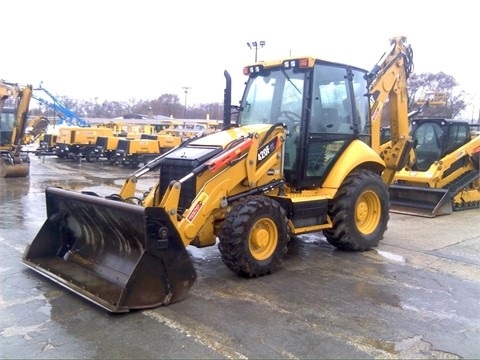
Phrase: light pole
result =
(255, 45)
(185, 88)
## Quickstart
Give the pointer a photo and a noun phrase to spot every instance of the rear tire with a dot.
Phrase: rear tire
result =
(360, 212)
(254, 236)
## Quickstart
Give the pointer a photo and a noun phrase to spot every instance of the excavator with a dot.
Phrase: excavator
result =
(14, 104)
(303, 155)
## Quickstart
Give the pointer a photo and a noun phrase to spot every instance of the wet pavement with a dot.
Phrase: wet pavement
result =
(415, 296)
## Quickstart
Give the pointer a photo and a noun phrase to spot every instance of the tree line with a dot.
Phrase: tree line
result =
(169, 105)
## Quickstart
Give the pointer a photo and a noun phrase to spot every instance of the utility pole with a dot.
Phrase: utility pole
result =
(185, 88)
(255, 45)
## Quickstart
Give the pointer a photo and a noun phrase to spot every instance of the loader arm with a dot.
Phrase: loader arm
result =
(248, 167)
(388, 82)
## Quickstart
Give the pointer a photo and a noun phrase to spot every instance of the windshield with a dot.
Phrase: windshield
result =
(272, 96)
(7, 120)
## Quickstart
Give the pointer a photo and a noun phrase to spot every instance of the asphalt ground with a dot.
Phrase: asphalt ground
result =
(417, 295)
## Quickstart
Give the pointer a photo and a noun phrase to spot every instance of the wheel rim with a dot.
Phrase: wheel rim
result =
(263, 239)
(368, 212)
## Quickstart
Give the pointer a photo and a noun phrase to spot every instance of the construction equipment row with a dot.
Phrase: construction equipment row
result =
(116, 144)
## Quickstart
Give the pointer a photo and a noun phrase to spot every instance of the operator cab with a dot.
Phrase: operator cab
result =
(323, 105)
(435, 138)
(7, 122)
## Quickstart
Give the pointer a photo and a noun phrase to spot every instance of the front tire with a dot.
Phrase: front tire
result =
(360, 212)
(254, 236)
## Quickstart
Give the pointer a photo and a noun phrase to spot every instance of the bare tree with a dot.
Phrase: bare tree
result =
(422, 85)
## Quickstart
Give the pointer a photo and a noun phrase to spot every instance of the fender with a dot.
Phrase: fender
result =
(357, 154)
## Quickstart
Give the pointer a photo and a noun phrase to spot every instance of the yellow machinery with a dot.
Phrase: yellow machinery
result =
(36, 129)
(303, 156)
(133, 152)
(105, 147)
(76, 142)
(445, 175)
(167, 141)
(14, 103)
(132, 149)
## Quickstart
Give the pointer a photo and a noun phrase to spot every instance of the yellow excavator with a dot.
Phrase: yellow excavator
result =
(302, 156)
(14, 104)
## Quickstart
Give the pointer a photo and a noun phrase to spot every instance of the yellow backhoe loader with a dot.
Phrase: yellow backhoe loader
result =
(302, 156)
(14, 103)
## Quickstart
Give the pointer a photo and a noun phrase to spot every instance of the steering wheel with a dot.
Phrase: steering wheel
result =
(293, 119)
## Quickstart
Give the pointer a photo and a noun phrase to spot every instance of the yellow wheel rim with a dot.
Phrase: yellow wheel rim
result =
(263, 239)
(368, 212)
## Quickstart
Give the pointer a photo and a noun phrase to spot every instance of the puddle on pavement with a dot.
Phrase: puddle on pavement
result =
(410, 348)
(391, 256)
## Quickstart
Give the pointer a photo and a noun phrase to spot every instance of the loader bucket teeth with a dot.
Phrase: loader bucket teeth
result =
(426, 202)
(116, 255)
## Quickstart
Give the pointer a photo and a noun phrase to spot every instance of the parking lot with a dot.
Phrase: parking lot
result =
(417, 295)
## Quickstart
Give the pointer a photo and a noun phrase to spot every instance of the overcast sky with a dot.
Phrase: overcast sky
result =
(121, 50)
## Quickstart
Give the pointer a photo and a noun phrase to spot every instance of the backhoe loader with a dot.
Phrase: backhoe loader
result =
(14, 103)
(302, 156)
(444, 176)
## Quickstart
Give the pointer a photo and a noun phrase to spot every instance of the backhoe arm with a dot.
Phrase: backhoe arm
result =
(388, 82)
(21, 119)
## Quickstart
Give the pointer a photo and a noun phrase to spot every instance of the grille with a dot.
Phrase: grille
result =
(179, 164)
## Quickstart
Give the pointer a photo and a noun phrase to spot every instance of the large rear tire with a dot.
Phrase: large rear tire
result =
(254, 236)
(360, 212)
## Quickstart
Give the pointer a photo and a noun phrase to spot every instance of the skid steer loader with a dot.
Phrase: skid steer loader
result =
(302, 156)
(445, 176)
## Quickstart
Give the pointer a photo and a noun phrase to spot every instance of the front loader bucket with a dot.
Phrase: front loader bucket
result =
(420, 201)
(119, 256)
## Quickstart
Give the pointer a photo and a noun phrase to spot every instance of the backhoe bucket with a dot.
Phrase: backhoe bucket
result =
(426, 202)
(14, 170)
(119, 256)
